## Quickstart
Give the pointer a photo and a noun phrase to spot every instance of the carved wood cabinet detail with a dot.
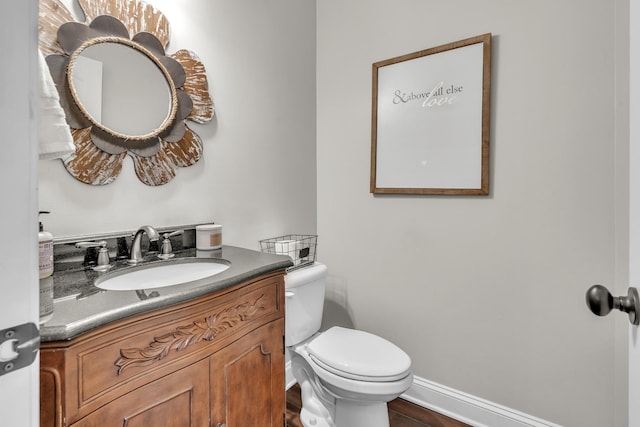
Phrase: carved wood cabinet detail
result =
(218, 359)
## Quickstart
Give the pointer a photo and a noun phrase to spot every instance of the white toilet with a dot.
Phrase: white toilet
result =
(346, 376)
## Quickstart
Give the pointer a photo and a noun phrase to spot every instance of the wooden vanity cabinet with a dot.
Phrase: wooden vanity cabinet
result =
(178, 399)
(216, 360)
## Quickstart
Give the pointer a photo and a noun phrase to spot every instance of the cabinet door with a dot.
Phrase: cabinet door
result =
(247, 380)
(180, 399)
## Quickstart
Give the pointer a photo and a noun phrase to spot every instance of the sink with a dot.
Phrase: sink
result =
(161, 274)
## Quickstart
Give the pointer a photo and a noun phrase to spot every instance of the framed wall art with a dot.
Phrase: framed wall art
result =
(431, 120)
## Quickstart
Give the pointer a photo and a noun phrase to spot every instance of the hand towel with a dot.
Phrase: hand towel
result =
(54, 136)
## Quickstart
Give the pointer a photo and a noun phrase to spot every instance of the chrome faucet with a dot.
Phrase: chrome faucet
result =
(136, 253)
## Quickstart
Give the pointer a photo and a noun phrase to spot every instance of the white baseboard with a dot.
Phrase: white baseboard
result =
(458, 405)
(467, 408)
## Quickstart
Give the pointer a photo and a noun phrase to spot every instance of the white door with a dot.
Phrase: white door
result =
(19, 288)
(634, 208)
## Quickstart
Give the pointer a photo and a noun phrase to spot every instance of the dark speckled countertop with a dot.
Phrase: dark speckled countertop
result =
(80, 306)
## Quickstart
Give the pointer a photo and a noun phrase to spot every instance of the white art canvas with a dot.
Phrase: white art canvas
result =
(429, 121)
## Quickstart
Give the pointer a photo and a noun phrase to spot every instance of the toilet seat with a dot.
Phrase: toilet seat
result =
(358, 355)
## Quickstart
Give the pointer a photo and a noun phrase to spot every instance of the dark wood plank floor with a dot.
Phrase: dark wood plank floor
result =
(401, 413)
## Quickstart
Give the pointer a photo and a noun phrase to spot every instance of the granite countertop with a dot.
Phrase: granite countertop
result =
(80, 306)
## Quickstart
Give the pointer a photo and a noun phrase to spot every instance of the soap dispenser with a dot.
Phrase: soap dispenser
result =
(45, 250)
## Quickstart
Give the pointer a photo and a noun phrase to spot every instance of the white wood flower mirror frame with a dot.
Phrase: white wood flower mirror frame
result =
(134, 30)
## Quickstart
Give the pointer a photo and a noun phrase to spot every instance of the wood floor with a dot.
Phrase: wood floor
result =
(401, 413)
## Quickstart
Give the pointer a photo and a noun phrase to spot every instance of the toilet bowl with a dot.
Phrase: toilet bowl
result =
(346, 376)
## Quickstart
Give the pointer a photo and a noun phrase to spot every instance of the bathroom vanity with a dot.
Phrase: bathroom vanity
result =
(205, 353)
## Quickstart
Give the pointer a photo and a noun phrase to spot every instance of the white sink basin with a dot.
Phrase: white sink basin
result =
(160, 275)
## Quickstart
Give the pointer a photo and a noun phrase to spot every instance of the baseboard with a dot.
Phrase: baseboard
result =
(458, 405)
(467, 408)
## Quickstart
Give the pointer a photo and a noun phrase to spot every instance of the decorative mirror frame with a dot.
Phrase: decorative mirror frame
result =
(100, 151)
(167, 122)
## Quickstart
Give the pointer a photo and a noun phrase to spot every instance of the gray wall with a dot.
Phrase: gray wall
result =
(487, 293)
(257, 176)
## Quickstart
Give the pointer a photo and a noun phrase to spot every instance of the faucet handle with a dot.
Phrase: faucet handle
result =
(166, 251)
(103, 253)
(101, 244)
(173, 233)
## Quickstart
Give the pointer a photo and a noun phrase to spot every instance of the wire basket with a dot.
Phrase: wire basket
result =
(301, 248)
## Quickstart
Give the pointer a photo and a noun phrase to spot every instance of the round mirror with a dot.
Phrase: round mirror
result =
(104, 73)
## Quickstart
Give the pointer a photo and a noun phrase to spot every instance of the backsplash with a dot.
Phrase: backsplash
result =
(67, 256)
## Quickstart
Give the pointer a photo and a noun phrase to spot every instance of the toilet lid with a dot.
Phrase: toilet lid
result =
(359, 355)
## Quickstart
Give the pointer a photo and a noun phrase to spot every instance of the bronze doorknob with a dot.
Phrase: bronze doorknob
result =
(601, 302)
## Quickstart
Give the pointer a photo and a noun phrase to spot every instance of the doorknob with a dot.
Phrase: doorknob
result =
(601, 302)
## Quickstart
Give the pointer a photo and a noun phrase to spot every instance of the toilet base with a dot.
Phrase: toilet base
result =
(322, 406)
(350, 413)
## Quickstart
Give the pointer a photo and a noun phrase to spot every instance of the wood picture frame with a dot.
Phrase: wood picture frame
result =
(430, 120)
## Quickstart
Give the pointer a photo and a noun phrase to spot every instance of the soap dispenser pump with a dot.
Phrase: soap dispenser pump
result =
(45, 250)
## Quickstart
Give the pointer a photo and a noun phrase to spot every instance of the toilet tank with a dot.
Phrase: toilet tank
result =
(304, 301)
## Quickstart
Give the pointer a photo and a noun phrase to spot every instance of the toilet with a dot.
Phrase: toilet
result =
(346, 376)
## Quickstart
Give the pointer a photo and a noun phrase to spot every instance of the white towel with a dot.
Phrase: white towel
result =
(54, 136)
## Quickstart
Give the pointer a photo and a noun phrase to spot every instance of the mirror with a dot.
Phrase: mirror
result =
(106, 73)
(123, 95)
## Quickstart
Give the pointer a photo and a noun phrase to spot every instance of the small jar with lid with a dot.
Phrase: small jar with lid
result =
(208, 237)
